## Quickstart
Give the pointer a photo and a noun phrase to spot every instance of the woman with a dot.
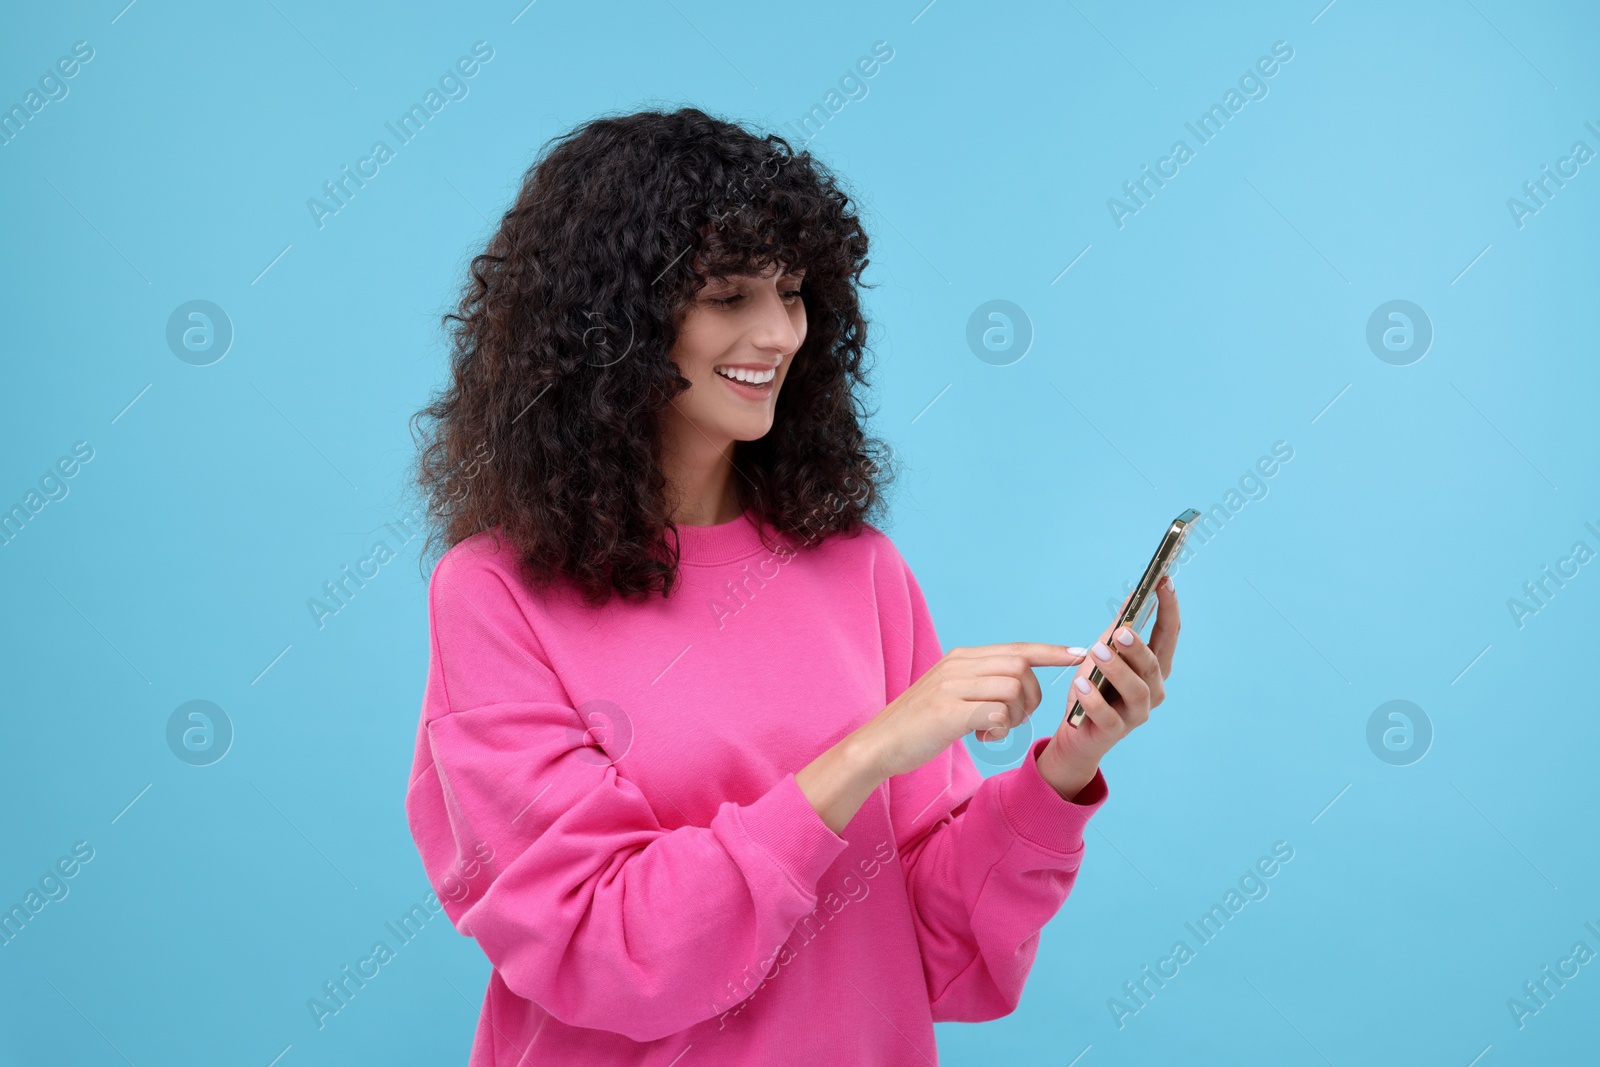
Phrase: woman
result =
(688, 766)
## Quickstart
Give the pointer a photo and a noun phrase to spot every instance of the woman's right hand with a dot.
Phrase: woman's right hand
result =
(990, 688)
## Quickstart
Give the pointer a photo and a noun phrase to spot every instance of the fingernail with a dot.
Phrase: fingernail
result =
(1082, 686)
(1074, 650)
(1101, 651)
(997, 716)
(1124, 636)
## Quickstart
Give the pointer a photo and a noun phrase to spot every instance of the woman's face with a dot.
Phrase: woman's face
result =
(745, 326)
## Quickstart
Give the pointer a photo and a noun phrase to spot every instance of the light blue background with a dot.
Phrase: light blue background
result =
(1223, 317)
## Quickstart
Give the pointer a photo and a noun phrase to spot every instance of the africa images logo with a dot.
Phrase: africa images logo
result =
(1252, 86)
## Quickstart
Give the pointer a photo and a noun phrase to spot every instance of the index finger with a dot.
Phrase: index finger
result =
(1037, 653)
(1164, 638)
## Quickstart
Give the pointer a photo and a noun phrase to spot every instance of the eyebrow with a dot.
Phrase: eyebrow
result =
(796, 272)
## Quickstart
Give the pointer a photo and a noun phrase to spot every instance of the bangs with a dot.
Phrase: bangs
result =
(764, 211)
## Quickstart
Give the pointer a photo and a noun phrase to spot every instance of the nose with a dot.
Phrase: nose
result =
(773, 329)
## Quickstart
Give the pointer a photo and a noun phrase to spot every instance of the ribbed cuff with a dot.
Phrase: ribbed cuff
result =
(788, 829)
(1037, 813)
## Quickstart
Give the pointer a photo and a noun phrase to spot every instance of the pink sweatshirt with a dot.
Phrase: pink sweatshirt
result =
(605, 799)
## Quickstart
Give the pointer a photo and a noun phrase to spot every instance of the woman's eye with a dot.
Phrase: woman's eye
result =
(795, 293)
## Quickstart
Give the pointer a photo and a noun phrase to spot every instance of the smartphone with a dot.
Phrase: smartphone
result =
(1143, 601)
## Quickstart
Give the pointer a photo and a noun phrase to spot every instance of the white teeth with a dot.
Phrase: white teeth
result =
(750, 377)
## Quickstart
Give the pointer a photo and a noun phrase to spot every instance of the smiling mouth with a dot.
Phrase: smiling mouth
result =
(749, 383)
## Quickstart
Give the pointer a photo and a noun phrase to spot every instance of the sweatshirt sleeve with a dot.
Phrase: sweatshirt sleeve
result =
(987, 861)
(557, 864)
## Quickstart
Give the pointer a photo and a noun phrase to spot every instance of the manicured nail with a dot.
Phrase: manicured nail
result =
(1074, 650)
(1083, 686)
(1101, 651)
(1124, 636)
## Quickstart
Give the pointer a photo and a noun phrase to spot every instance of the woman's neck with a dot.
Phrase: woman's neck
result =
(700, 487)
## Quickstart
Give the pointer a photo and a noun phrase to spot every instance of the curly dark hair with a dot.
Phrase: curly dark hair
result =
(549, 430)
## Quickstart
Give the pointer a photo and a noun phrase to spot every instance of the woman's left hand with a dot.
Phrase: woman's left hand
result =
(1138, 672)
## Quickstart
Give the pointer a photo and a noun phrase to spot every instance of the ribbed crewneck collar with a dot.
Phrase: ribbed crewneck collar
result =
(725, 542)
